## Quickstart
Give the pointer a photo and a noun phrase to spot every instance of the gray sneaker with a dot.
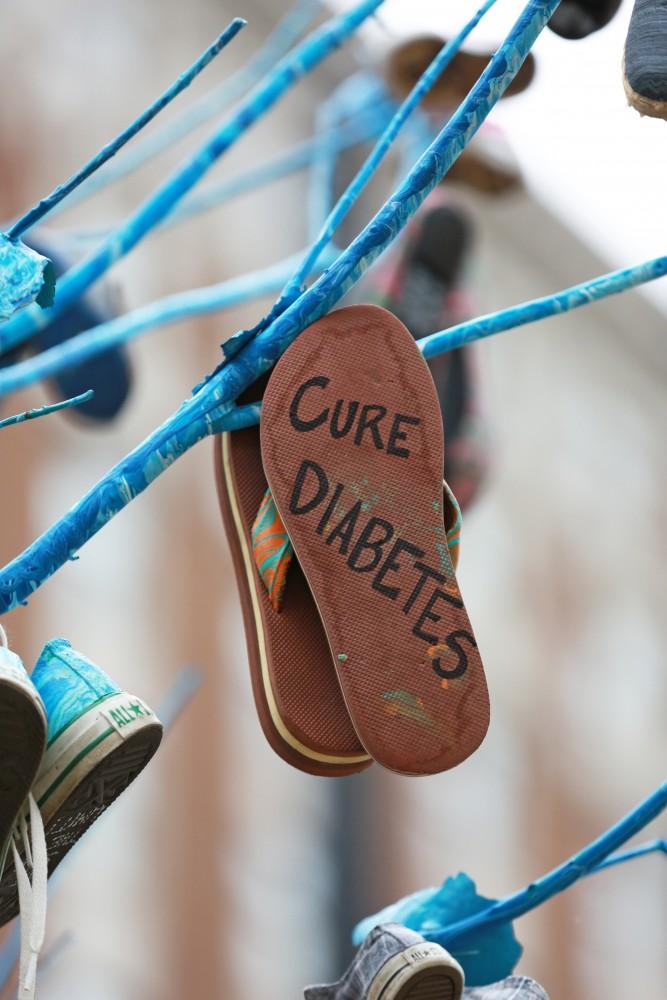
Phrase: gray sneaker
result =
(395, 963)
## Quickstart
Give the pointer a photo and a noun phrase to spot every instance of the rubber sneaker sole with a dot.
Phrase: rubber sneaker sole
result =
(84, 771)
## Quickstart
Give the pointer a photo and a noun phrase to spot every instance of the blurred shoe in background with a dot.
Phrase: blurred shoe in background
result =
(575, 19)
(395, 963)
(422, 284)
(108, 373)
(645, 61)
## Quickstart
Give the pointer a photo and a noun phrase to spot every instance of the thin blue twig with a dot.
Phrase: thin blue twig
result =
(658, 846)
(209, 105)
(299, 156)
(43, 207)
(44, 411)
(550, 305)
(560, 878)
(296, 65)
(426, 82)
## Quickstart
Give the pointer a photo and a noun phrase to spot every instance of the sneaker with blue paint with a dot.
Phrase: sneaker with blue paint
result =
(99, 739)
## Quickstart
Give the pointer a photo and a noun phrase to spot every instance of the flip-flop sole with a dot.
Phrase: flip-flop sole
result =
(352, 445)
(298, 700)
(84, 771)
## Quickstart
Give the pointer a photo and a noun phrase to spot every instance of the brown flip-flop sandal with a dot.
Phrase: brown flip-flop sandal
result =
(296, 692)
(352, 446)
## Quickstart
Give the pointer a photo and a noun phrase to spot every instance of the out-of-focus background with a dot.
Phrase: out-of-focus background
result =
(223, 872)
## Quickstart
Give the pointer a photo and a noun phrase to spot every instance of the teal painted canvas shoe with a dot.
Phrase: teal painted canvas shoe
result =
(99, 739)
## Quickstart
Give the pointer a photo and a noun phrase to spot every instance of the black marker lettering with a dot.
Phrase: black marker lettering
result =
(375, 546)
(322, 488)
(390, 565)
(307, 425)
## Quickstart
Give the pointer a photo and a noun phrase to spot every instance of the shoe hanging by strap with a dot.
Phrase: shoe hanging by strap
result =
(273, 551)
(32, 895)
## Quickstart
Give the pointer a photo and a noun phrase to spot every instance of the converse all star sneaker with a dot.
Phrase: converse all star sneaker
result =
(99, 739)
(395, 963)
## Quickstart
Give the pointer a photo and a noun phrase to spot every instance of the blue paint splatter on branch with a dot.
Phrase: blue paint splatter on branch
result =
(301, 61)
(43, 207)
(25, 276)
(204, 413)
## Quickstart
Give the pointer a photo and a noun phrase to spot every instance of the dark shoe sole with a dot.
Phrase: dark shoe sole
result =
(23, 738)
(85, 770)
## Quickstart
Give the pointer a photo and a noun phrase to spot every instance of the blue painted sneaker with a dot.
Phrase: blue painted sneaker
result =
(99, 739)
(645, 61)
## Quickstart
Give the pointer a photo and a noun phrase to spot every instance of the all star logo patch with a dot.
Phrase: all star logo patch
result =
(126, 713)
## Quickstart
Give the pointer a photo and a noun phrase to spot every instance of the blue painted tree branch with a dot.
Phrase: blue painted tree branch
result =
(301, 61)
(205, 412)
(171, 309)
(299, 156)
(354, 189)
(550, 305)
(44, 411)
(43, 207)
(658, 846)
(560, 878)
(211, 104)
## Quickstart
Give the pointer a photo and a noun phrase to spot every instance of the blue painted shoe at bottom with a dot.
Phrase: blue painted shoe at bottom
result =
(99, 739)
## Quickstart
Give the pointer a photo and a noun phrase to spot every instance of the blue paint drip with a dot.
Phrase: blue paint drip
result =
(301, 61)
(43, 207)
(204, 413)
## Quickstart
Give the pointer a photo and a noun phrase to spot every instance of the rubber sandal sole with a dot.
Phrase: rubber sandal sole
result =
(352, 445)
(297, 697)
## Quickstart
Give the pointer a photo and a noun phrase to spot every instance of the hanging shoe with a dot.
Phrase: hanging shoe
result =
(99, 739)
(421, 283)
(395, 963)
(108, 373)
(352, 446)
(408, 61)
(575, 19)
(645, 62)
(297, 695)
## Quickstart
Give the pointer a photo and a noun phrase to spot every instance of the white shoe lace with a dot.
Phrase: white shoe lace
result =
(32, 895)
